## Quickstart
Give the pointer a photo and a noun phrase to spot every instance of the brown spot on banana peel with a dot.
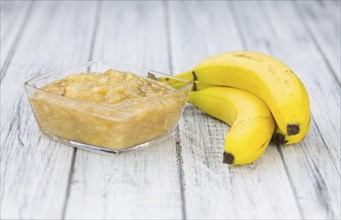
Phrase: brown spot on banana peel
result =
(228, 158)
(263, 145)
(246, 56)
(293, 129)
(194, 88)
(271, 69)
(279, 139)
(242, 55)
(194, 76)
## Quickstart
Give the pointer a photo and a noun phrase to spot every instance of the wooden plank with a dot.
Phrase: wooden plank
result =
(325, 31)
(213, 190)
(13, 15)
(143, 184)
(333, 8)
(34, 170)
(312, 165)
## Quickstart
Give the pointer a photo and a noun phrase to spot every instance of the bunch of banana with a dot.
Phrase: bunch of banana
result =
(266, 78)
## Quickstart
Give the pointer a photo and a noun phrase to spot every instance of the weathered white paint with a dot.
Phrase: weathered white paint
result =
(142, 184)
(12, 22)
(34, 170)
(325, 29)
(332, 10)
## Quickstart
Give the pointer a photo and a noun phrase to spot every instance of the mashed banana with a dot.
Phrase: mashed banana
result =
(115, 110)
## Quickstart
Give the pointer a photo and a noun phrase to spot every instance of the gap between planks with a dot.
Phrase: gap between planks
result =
(74, 152)
(317, 45)
(294, 192)
(15, 43)
(177, 135)
(293, 189)
(101, 52)
(23, 208)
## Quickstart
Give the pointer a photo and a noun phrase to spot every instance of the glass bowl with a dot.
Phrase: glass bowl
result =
(104, 128)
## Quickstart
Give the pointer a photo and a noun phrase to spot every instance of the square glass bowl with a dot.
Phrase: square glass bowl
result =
(102, 128)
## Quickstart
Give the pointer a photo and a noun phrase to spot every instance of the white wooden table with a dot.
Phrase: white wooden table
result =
(181, 177)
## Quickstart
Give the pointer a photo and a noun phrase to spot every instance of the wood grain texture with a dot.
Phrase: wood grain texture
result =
(312, 165)
(35, 170)
(333, 8)
(181, 176)
(143, 184)
(214, 190)
(323, 22)
(13, 15)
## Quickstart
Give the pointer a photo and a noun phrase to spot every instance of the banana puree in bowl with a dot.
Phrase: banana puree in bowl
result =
(109, 111)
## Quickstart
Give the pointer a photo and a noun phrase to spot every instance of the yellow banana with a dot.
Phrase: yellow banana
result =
(267, 78)
(250, 119)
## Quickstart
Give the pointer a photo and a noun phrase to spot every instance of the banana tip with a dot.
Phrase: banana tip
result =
(228, 158)
(279, 139)
(293, 129)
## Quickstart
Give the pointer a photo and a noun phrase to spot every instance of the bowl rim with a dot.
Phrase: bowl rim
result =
(30, 83)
